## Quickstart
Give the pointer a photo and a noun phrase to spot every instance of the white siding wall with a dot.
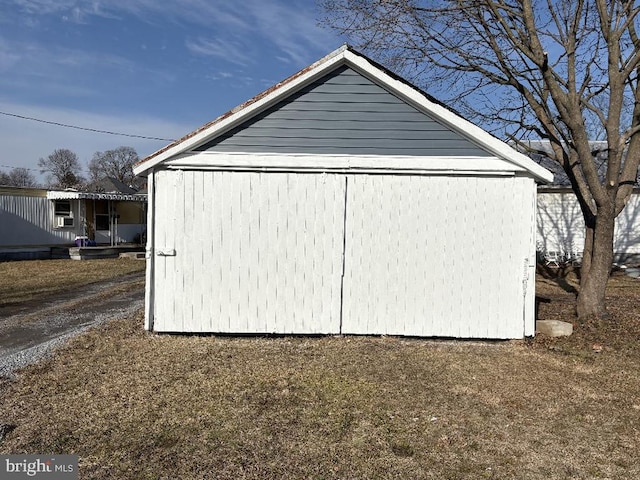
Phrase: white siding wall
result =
(561, 227)
(438, 256)
(263, 253)
(28, 221)
(254, 252)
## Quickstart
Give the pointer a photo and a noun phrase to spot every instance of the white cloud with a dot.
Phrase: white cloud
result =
(7, 59)
(43, 7)
(77, 11)
(220, 76)
(229, 50)
(42, 59)
(71, 72)
(10, 56)
(207, 13)
(291, 26)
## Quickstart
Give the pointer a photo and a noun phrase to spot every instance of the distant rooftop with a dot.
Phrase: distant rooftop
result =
(113, 185)
(560, 178)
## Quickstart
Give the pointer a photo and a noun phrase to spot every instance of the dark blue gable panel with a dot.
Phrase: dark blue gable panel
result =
(343, 113)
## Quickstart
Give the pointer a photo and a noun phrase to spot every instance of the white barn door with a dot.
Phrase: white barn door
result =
(437, 256)
(248, 252)
(251, 252)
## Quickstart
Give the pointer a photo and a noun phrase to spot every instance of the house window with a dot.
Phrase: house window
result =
(102, 222)
(63, 215)
(62, 208)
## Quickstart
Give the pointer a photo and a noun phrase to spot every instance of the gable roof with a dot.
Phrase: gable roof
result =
(345, 55)
(113, 185)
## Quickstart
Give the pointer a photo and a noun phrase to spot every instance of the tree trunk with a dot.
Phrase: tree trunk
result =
(596, 267)
(588, 251)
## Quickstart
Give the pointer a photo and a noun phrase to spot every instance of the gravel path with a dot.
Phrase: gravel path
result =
(30, 331)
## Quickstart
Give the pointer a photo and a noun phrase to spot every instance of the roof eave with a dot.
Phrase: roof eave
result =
(68, 195)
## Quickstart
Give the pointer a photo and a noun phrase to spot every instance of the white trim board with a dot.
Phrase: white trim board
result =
(328, 163)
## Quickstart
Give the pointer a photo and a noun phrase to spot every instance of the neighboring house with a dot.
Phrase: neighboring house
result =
(343, 200)
(33, 220)
(560, 224)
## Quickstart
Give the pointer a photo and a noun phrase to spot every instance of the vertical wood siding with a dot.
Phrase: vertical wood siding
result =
(254, 252)
(263, 253)
(344, 113)
(561, 227)
(437, 256)
(28, 221)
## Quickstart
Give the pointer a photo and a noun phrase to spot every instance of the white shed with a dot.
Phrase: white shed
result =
(342, 200)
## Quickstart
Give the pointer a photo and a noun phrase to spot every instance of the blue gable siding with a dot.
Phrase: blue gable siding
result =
(343, 113)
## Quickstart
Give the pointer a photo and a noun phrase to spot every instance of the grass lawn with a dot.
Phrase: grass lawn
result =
(139, 405)
(35, 279)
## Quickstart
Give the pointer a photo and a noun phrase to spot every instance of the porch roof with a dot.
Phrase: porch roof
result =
(73, 195)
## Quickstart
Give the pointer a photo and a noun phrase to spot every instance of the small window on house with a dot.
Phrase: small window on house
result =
(62, 208)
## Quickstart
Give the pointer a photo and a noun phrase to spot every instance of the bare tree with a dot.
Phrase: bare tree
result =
(18, 177)
(63, 169)
(21, 177)
(561, 71)
(117, 163)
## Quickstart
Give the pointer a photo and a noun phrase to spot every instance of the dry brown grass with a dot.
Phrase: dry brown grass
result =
(137, 405)
(620, 333)
(32, 280)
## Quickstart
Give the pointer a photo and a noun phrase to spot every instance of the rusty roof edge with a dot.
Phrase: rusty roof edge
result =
(249, 102)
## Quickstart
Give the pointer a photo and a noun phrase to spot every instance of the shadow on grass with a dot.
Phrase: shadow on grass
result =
(560, 276)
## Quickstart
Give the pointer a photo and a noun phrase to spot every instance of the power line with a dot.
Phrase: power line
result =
(84, 128)
(24, 168)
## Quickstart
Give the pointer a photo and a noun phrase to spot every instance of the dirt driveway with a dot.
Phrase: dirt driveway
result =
(29, 330)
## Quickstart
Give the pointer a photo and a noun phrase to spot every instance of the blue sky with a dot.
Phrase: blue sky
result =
(144, 67)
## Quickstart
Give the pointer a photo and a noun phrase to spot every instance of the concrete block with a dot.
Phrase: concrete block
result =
(134, 255)
(554, 328)
(633, 272)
